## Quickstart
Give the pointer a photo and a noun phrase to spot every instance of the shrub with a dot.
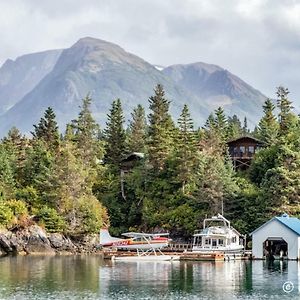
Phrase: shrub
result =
(92, 214)
(6, 215)
(30, 196)
(52, 221)
(18, 207)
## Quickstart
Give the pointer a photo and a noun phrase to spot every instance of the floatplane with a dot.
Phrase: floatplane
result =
(147, 245)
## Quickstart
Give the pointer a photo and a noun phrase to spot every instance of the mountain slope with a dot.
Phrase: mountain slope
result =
(216, 86)
(19, 77)
(60, 79)
(104, 70)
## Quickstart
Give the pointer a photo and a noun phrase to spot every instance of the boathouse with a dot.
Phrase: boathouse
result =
(277, 238)
(242, 151)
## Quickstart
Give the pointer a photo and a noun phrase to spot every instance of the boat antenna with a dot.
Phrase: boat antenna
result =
(222, 207)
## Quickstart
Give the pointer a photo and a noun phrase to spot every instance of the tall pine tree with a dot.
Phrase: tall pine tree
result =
(85, 133)
(160, 129)
(137, 130)
(267, 130)
(186, 149)
(115, 136)
(47, 129)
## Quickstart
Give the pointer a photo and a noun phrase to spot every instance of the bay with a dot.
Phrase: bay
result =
(90, 277)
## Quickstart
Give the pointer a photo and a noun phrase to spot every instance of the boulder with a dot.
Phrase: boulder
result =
(61, 243)
(5, 245)
(37, 241)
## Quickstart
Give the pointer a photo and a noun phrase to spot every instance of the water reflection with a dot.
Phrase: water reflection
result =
(79, 277)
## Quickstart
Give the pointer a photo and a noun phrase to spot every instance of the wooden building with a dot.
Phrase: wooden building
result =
(242, 151)
(277, 238)
(131, 161)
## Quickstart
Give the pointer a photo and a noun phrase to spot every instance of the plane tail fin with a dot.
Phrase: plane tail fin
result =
(106, 238)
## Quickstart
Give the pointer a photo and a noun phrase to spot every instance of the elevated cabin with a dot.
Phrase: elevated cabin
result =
(242, 151)
(131, 161)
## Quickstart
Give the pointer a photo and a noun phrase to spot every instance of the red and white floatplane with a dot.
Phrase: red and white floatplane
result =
(147, 245)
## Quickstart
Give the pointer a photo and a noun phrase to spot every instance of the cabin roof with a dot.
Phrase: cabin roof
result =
(246, 136)
(134, 155)
(290, 222)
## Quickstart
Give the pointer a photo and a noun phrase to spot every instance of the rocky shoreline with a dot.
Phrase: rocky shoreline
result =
(35, 240)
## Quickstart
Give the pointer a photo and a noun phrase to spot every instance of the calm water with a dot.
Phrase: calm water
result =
(89, 277)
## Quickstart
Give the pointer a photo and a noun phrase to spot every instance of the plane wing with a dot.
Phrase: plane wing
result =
(141, 234)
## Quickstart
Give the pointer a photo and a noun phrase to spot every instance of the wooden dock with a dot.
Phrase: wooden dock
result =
(184, 256)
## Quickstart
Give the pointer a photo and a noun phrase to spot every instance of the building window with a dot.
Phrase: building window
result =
(251, 150)
(242, 151)
(207, 242)
(221, 242)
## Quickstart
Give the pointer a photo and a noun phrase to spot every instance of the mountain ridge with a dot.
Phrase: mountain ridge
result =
(107, 71)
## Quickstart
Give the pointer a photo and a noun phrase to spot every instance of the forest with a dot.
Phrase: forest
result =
(69, 180)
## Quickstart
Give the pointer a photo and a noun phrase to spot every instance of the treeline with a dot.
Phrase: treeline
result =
(73, 182)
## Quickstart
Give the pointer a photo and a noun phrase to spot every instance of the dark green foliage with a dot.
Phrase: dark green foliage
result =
(161, 127)
(84, 132)
(268, 126)
(47, 129)
(137, 131)
(74, 182)
(285, 107)
(115, 136)
(185, 150)
(234, 127)
(51, 220)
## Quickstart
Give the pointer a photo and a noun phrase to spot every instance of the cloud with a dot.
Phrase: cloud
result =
(257, 40)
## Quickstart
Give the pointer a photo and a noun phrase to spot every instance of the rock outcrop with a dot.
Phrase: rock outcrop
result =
(35, 240)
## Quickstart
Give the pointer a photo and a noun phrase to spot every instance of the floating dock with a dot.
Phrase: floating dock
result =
(184, 256)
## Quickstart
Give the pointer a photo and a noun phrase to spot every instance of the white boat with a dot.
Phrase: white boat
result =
(217, 236)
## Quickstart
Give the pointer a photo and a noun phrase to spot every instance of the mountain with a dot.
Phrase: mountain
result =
(104, 70)
(19, 77)
(216, 87)
(61, 78)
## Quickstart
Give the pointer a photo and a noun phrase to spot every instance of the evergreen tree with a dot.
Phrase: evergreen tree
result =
(267, 130)
(285, 110)
(221, 124)
(137, 130)
(47, 129)
(161, 129)
(186, 149)
(115, 136)
(85, 133)
(234, 127)
(7, 180)
(245, 129)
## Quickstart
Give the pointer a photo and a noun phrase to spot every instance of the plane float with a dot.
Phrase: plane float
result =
(147, 245)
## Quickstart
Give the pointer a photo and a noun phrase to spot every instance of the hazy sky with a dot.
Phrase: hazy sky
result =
(258, 40)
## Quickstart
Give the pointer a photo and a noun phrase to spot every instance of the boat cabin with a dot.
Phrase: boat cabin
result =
(217, 235)
(242, 151)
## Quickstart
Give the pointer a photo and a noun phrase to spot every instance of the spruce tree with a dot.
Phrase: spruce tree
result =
(85, 133)
(245, 129)
(285, 110)
(267, 130)
(160, 129)
(115, 136)
(137, 130)
(47, 129)
(234, 127)
(221, 124)
(186, 149)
